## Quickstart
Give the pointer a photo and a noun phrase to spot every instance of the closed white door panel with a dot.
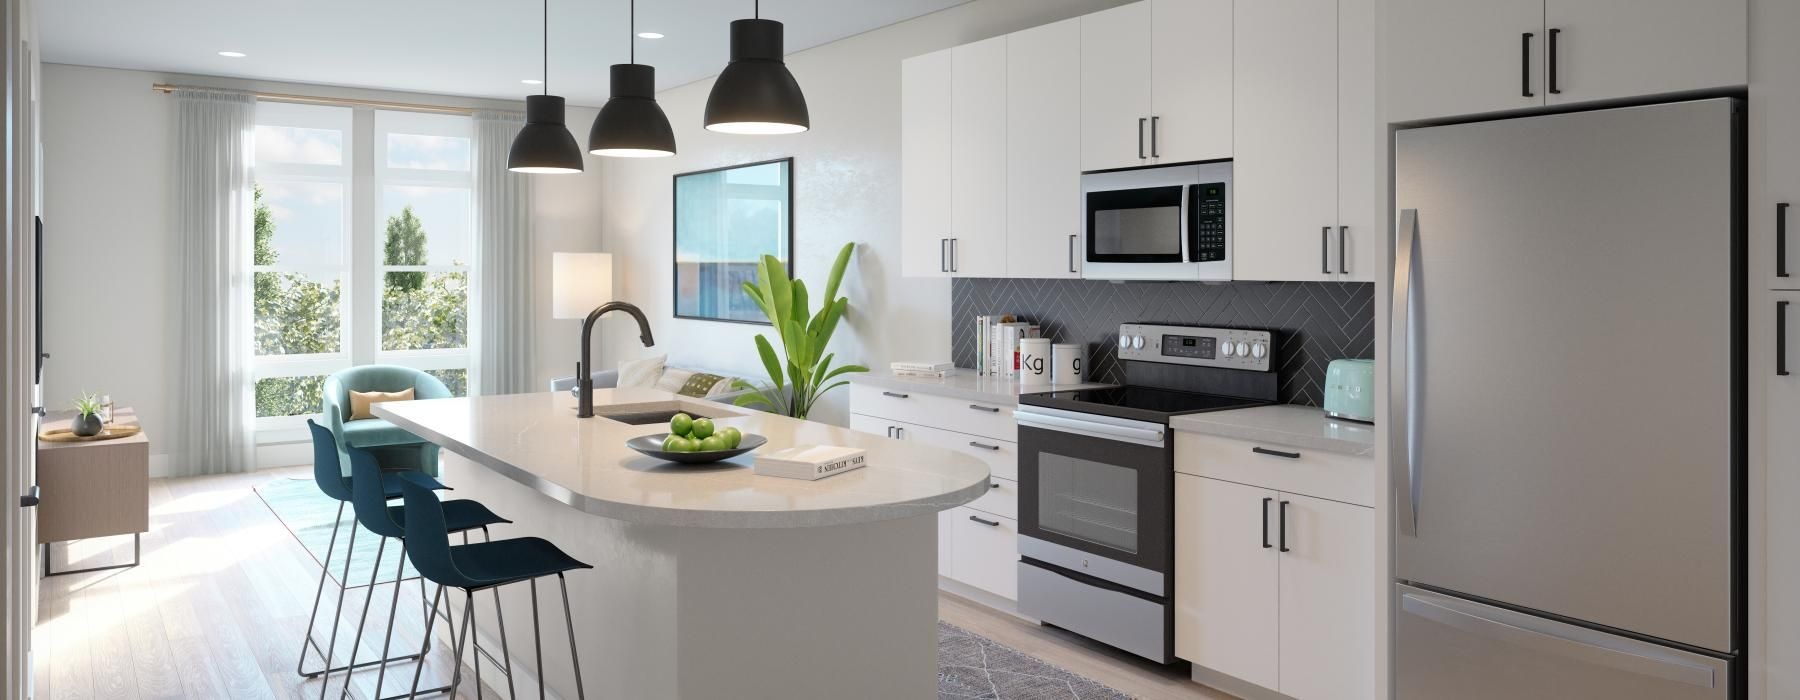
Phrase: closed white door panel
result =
(1606, 49)
(1115, 87)
(1043, 158)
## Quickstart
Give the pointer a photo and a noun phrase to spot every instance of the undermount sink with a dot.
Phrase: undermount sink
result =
(659, 412)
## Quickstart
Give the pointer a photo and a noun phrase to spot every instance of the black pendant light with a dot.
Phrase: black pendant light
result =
(756, 94)
(632, 125)
(544, 145)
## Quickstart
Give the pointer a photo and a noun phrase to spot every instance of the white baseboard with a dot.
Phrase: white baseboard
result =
(1232, 684)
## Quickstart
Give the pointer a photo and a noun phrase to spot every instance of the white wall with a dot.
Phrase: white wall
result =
(846, 188)
(111, 255)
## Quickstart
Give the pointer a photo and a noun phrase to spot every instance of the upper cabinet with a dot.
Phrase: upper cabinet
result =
(1156, 81)
(925, 165)
(1460, 57)
(1043, 167)
(978, 159)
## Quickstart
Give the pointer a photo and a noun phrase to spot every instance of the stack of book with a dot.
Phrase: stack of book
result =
(809, 462)
(935, 370)
(997, 344)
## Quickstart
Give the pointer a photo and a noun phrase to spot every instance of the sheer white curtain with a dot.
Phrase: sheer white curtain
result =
(503, 213)
(215, 134)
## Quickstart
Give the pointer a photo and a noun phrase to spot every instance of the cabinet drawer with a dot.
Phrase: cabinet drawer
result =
(983, 555)
(1315, 473)
(980, 418)
(1001, 457)
(1002, 499)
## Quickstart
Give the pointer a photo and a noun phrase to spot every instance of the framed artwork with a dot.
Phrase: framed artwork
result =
(726, 219)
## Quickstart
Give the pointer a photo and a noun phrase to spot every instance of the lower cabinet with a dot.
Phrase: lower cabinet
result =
(1275, 588)
(984, 551)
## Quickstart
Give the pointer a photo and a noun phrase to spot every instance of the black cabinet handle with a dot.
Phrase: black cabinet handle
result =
(1781, 239)
(988, 409)
(1284, 547)
(1781, 369)
(40, 411)
(1325, 249)
(1141, 121)
(1072, 253)
(1525, 64)
(984, 446)
(985, 521)
(993, 484)
(1275, 453)
(30, 498)
(1343, 233)
(1553, 89)
(1265, 527)
(899, 433)
(943, 255)
(890, 431)
(897, 396)
(1153, 150)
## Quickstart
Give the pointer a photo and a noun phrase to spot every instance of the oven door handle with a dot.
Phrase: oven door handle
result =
(1139, 436)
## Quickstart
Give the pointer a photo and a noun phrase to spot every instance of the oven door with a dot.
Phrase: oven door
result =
(1141, 225)
(1096, 496)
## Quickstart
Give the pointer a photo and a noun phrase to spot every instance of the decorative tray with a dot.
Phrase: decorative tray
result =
(110, 432)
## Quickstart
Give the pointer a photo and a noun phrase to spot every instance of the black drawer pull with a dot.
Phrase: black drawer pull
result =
(984, 446)
(985, 521)
(897, 396)
(1275, 453)
(1265, 523)
(993, 484)
(1284, 547)
(989, 409)
(31, 497)
(1525, 64)
(1554, 90)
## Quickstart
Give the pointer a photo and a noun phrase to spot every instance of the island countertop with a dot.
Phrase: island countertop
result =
(536, 440)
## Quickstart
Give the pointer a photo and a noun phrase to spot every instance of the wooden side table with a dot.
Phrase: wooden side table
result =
(93, 489)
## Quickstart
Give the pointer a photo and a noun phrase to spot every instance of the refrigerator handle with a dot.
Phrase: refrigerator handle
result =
(1400, 374)
(1558, 639)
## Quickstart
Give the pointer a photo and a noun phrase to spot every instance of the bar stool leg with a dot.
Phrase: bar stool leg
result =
(537, 640)
(349, 553)
(569, 618)
(462, 639)
(430, 619)
(505, 650)
(387, 641)
(356, 642)
(473, 632)
(300, 665)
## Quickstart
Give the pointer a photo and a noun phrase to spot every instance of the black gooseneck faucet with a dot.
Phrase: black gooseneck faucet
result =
(585, 378)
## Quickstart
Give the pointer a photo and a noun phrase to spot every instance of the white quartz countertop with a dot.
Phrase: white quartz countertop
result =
(1304, 427)
(965, 385)
(536, 440)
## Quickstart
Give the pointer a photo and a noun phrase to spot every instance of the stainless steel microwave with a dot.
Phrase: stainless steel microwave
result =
(1170, 222)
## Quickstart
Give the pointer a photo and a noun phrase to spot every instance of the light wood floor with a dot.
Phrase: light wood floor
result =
(218, 607)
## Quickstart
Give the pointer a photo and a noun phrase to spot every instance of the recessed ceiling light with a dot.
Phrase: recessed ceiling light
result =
(532, 81)
(650, 35)
(233, 54)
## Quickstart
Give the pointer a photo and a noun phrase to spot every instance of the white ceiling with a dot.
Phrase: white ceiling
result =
(478, 48)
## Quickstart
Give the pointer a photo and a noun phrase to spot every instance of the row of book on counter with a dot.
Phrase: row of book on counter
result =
(997, 344)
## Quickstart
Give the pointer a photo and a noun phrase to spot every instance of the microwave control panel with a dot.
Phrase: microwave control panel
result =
(1231, 348)
(1206, 223)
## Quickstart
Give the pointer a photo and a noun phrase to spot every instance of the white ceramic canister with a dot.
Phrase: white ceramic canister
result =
(1034, 361)
(1068, 362)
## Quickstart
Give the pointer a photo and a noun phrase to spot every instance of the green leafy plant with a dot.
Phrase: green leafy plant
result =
(88, 405)
(800, 375)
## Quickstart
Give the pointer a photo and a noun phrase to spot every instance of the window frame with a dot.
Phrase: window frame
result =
(388, 122)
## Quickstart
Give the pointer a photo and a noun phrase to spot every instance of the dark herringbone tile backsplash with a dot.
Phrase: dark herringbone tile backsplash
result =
(1315, 322)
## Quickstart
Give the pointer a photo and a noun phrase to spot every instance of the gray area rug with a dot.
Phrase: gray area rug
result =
(973, 666)
(309, 514)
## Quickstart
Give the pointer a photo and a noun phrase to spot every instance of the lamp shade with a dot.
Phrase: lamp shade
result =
(632, 125)
(544, 145)
(756, 94)
(579, 282)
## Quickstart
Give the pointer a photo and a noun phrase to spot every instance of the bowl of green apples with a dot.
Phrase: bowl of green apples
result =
(693, 440)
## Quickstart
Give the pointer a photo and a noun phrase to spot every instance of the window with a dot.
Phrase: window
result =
(333, 287)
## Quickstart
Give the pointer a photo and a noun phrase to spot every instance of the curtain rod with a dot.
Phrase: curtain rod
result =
(311, 99)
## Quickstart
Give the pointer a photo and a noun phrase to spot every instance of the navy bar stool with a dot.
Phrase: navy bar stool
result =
(328, 474)
(484, 565)
(370, 503)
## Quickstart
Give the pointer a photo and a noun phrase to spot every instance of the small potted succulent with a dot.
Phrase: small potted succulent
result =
(87, 416)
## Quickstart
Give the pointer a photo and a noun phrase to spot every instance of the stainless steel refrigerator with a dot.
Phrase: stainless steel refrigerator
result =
(1567, 406)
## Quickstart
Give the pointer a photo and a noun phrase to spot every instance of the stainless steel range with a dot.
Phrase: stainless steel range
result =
(1096, 478)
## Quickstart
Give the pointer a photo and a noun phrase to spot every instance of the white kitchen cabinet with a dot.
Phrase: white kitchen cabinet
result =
(1043, 162)
(1362, 137)
(925, 188)
(1607, 49)
(1190, 80)
(978, 159)
(1328, 580)
(986, 552)
(1227, 578)
(1451, 57)
(1781, 545)
(1115, 87)
(1774, 152)
(1285, 143)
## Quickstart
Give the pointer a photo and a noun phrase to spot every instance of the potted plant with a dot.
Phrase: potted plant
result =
(87, 416)
(800, 375)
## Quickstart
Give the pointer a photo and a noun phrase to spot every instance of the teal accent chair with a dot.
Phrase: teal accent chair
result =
(393, 446)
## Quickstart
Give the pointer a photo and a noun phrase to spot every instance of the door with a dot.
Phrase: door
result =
(946, 537)
(1097, 496)
(1043, 163)
(1115, 87)
(1448, 647)
(1226, 580)
(1191, 81)
(1286, 140)
(978, 159)
(925, 165)
(1361, 137)
(1456, 57)
(1775, 145)
(1607, 49)
(1781, 549)
(1571, 398)
(1328, 579)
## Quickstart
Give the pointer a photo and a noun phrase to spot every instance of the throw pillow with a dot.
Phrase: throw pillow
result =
(360, 401)
(673, 378)
(700, 385)
(643, 372)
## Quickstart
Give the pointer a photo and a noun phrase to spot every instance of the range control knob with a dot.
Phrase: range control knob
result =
(1226, 348)
(1243, 349)
(1258, 350)
(1124, 340)
(1137, 342)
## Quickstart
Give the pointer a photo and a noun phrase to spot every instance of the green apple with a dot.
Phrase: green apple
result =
(668, 443)
(714, 443)
(703, 428)
(682, 444)
(681, 424)
(733, 436)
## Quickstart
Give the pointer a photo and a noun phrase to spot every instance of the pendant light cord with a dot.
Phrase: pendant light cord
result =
(546, 47)
(756, 9)
(632, 40)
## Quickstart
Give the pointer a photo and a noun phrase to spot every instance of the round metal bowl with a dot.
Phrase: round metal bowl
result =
(651, 446)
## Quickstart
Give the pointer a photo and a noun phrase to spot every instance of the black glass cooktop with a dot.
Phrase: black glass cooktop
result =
(1139, 402)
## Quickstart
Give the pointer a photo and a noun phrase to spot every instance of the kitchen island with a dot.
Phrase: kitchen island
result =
(709, 581)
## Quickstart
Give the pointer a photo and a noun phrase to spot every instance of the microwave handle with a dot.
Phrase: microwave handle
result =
(1190, 231)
